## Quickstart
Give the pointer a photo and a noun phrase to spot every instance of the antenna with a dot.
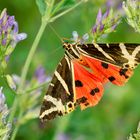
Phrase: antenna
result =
(56, 33)
(60, 38)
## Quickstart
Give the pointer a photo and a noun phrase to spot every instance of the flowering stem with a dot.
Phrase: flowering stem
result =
(17, 127)
(25, 69)
(23, 77)
(14, 108)
(31, 53)
(37, 87)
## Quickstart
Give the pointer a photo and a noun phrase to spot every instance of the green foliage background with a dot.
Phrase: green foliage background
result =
(117, 114)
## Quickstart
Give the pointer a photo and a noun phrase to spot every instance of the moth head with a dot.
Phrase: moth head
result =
(67, 45)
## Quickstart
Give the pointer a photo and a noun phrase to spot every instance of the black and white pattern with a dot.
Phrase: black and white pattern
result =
(59, 99)
(122, 55)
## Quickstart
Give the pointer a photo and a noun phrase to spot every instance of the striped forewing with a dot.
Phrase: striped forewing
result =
(60, 92)
(122, 55)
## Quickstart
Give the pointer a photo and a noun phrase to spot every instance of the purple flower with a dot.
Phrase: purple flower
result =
(94, 29)
(2, 99)
(114, 3)
(132, 11)
(5, 126)
(75, 37)
(99, 25)
(110, 3)
(7, 57)
(9, 30)
(3, 107)
(41, 75)
(99, 17)
(84, 38)
(78, 39)
(9, 37)
(114, 27)
(16, 79)
(105, 23)
(62, 136)
(106, 14)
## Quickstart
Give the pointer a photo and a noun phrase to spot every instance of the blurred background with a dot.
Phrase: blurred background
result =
(118, 113)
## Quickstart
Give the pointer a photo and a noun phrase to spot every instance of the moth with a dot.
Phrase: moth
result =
(82, 73)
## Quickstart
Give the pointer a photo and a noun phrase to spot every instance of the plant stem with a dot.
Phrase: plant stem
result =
(66, 11)
(31, 53)
(25, 69)
(37, 87)
(14, 108)
(17, 127)
(24, 74)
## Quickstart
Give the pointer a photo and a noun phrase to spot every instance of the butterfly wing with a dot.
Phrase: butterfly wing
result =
(59, 99)
(88, 87)
(122, 55)
(111, 62)
(108, 72)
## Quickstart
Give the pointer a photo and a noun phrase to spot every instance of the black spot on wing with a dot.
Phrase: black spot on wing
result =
(93, 91)
(86, 104)
(111, 78)
(78, 83)
(81, 100)
(123, 73)
(104, 65)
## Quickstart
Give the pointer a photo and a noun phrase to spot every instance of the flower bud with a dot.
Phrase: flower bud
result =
(9, 37)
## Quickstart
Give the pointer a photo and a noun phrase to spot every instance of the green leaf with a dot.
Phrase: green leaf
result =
(69, 2)
(42, 6)
(63, 4)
